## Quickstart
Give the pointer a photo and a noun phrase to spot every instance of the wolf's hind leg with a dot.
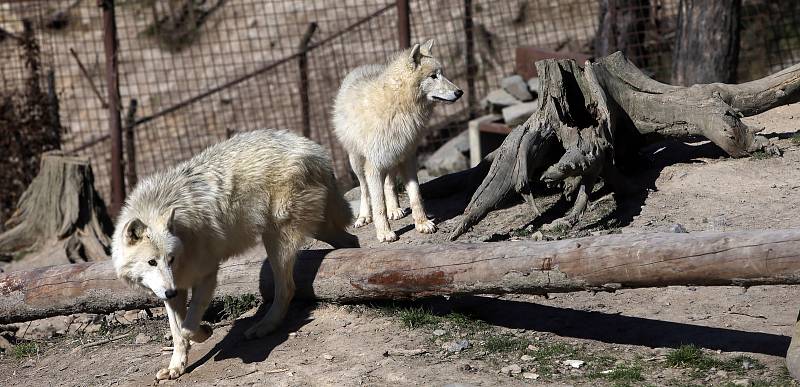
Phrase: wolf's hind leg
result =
(393, 210)
(364, 213)
(176, 311)
(201, 297)
(281, 247)
(421, 221)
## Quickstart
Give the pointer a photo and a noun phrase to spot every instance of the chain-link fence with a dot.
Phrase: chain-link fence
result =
(201, 70)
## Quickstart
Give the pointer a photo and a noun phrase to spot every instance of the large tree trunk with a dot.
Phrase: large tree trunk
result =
(598, 263)
(590, 117)
(622, 28)
(707, 42)
(60, 217)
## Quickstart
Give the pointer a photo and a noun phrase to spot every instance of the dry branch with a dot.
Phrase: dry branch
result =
(601, 263)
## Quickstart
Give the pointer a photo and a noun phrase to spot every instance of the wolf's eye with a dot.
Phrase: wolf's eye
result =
(170, 259)
(434, 76)
(152, 262)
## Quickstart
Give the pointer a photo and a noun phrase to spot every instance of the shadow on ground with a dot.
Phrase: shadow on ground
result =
(608, 328)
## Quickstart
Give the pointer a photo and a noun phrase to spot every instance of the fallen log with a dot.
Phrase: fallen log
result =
(606, 262)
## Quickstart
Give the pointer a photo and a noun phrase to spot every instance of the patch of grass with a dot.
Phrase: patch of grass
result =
(233, 307)
(416, 317)
(740, 364)
(466, 323)
(689, 356)
(550, 351)
(505, 343)
(761, 155)
(796, 138)
(24, 350)
(623, 375)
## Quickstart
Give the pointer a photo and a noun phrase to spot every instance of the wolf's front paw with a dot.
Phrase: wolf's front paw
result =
(396, 213)
(198, 336)
(169, 373)
(425, 227)
(362, 221)
(387, 236)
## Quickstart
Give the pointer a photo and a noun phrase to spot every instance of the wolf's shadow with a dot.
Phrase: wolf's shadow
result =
(235, 345)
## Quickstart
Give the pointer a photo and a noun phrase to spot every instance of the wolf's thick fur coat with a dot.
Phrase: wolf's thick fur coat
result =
(178, 225)
(379, 116)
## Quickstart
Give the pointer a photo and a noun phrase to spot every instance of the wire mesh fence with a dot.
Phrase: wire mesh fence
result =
(201, 70)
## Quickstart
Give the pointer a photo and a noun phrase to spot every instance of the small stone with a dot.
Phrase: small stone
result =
(141, 339)
(517, 114)
(168, 336)
(439, 332)
(678, 229)
(532, 347)
(533, 85)
(516, 86)
(722, 374)
(530, 375)
(327, 356)
(500, 98)
(741, 382)
(130, 316)
(4, 344)
(456, 346)
(526, 358)
(606, 372)
(513, 369)
(574, 363)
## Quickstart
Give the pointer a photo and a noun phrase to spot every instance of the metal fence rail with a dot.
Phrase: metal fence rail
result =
(201, 70)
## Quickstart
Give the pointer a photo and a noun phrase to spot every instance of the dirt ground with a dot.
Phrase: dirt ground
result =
(675, 336)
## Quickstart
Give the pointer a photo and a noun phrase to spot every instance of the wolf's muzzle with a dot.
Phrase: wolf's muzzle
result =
(170, 293)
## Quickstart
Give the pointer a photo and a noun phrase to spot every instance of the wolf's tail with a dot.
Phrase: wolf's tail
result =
(338, 215)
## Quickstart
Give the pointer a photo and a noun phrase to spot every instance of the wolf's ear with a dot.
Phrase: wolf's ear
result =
(171, 220)
(416, 55)
(427, 47)
(134, 231)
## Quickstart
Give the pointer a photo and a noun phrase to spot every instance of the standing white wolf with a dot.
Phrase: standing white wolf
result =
(177, 226)
(379, 116)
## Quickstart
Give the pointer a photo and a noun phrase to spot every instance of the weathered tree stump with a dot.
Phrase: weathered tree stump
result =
(590, 117)
(60, 217)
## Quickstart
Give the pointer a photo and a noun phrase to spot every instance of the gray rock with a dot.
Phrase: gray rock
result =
(678, 229)
(456, 346)
(4, 344)
(141, 339)
(500, 98)
(516, 86)
(517, 114)
(513, 369)
(451, 157)
(533, 86)
(439, 332)
(741, 382)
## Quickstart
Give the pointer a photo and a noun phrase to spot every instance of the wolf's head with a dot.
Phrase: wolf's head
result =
(146, 254)
(433, 85)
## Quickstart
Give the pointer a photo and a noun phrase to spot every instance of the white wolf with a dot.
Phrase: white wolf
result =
(177, 226)
(379, 116)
